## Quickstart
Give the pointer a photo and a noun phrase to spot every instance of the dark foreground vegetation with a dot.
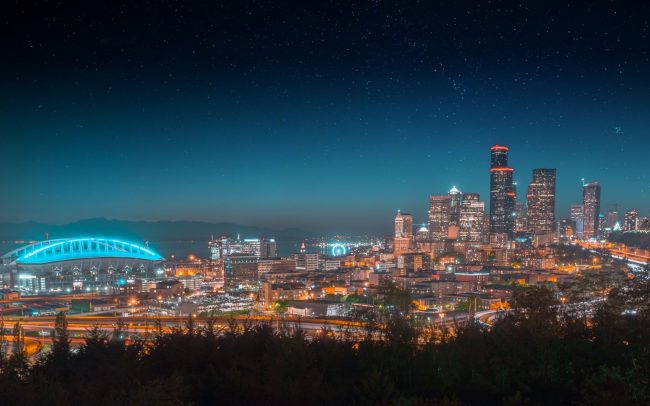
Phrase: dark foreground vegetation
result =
(634, 238)
(543, 352)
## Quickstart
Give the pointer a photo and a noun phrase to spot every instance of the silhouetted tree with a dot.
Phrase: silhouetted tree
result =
(537, 354)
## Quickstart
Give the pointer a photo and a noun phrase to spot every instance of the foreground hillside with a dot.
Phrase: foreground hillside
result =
(538, 354)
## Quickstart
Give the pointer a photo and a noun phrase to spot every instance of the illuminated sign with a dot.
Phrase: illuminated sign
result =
(338, 250)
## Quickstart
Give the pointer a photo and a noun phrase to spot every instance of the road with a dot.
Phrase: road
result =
(80, 324)
(616, 252)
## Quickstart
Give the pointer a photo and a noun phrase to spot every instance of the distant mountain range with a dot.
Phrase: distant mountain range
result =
(144, 230)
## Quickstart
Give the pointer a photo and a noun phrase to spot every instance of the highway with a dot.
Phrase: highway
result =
(615, 252)
(58, 298)
(80, 324)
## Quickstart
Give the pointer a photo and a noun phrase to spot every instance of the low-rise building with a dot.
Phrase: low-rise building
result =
(273, 292)
(168, 288)
(317, 308)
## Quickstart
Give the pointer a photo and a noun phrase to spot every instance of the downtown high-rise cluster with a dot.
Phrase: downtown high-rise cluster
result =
(461, 217)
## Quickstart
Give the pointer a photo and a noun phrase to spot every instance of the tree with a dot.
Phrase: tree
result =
(17, 365)
(396, 310)
(280, 307)
(60, 340)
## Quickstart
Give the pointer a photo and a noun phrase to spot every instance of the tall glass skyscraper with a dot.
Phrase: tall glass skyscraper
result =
(439, 216)
(502, 192)
(578, 216)
(591, 204)
(471, 217)
(541, 201)
(630, 220)
(444, 212)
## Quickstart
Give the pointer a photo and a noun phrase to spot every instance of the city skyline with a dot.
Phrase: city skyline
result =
(337, 202)
(421, 211)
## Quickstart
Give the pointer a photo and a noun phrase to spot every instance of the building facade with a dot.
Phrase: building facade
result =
(403, 224)
(502, 192)
(578, 217)
(439, 216)
(472, 212)
(240, 270)
(403, 239)
(630, 220)
(611, 218)
(540, 213)
(260, 247)
(591, 207)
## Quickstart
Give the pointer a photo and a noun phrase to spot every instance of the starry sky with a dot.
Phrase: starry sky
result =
(327, 116)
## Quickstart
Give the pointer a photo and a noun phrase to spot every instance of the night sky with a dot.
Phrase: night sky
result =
(327, 118)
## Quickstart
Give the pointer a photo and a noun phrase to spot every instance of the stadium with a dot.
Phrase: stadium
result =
(78, 265)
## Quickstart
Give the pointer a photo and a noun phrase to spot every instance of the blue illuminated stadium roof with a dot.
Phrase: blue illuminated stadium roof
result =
(79, 248)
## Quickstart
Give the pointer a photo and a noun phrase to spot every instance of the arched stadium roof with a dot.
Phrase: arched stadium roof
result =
(78, 249)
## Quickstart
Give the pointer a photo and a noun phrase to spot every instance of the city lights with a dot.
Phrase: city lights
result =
(325, 203)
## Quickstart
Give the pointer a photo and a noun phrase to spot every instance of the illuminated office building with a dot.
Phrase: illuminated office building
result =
(630, 220)
(240, 270)
(439, 216)
(566, 228)
(502, 192)
(403, 240)
(268, 248)
(472, 212)
(603, 229)
(578, 217)
(224, 246)
(444, 215)
(455, 201)
(520, 218)
(611, 218)
(307, 261)
(413, 262)
(591, 204)
(403, 224)
(540, 213)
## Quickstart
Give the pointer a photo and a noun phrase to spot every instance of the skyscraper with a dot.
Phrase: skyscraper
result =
(578, 216)
(268, 248)
(520, 218)
(455, 200)
(403, 233)
(472, 211)
(611, 218)
(439, 216)
(591, 203)
(502, 192)
(630, 220)
(403, 224)
(540, 214)
(444, 214)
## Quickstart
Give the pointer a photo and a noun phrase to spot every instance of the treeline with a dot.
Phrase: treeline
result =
(544, 351)
(634, 238)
